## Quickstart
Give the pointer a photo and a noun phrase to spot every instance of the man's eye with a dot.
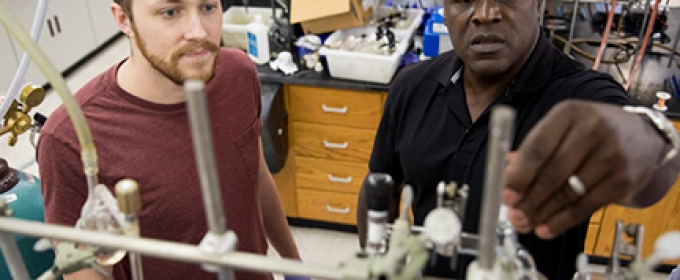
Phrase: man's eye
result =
(170, 13)
(209, 7)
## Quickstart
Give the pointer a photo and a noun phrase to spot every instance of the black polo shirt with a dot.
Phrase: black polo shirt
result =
(426, 136)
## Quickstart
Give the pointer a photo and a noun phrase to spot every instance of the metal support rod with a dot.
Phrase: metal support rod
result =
(205, 156)
(10, 250)
(639, 238)
(542, 16)
(12, 256)
(614, 266)
(499, 140)
(201, 133)
(177, 251)
(129, 203)
(675, 46)
(567, 47)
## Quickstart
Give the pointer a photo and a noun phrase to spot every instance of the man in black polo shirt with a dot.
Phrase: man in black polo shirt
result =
(435, 123)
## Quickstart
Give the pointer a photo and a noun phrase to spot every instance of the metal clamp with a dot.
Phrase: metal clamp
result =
(217, 244)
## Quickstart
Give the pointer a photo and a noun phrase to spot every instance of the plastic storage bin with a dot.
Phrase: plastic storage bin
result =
(368, 67)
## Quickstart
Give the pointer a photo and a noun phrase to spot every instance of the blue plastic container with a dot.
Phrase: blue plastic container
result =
(435, 35)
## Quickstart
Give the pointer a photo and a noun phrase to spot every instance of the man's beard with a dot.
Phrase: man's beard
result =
(170, 69)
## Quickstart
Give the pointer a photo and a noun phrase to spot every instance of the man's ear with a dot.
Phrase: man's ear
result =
(122, 20)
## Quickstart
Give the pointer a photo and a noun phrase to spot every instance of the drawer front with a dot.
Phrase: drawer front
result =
(329, 175)
(332, 142)
(337, 107)
(327, 206)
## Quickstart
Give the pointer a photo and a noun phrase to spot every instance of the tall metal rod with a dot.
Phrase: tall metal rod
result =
(10, 250)
(542, 16)
(205, 156)
(176, 251)
(675, 47)
(12, 256)
(129, 202)
(500, 137)
(615, 262)
(205, 159)
(567, 47)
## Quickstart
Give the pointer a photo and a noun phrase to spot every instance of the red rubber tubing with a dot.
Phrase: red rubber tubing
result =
(648, 33)
(605, 35)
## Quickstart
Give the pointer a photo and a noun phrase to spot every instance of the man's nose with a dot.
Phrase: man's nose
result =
(195, 28)
(486, 11)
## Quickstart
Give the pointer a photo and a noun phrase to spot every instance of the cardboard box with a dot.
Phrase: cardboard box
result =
(322, 16)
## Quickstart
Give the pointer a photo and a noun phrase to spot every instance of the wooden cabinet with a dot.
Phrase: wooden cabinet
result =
(8, 62)
(332, 133)
(662, 217)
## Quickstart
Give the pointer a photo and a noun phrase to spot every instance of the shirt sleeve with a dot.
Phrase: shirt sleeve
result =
(602, 88)
(385, 158)
(64, 186)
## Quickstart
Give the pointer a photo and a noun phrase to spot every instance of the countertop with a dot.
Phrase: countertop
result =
(323, 79)
(673, 104)
(312, 78)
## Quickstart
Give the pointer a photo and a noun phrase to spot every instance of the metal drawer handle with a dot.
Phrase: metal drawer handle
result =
(339, 180)
(327, 109)
(335, 145)
(336, 210)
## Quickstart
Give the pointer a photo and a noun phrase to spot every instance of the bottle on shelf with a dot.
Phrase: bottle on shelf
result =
(258, 40)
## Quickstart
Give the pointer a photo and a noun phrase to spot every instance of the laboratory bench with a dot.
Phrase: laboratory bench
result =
(331, 127)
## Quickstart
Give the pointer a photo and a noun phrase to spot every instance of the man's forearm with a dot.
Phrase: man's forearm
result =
(275, 223)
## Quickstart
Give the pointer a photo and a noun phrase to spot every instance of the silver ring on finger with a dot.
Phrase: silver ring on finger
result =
(577, 185)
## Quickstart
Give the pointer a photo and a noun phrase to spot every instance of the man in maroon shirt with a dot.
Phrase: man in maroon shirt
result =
(139, 123)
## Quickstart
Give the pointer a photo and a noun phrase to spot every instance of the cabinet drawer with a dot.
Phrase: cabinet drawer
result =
(327, 206)
(333, 106)
(329, 175)
(333, 142)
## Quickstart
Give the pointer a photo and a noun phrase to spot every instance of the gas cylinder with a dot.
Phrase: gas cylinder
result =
(22, 192)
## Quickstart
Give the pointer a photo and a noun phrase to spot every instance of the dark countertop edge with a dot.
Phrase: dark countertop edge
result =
(311, 78)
